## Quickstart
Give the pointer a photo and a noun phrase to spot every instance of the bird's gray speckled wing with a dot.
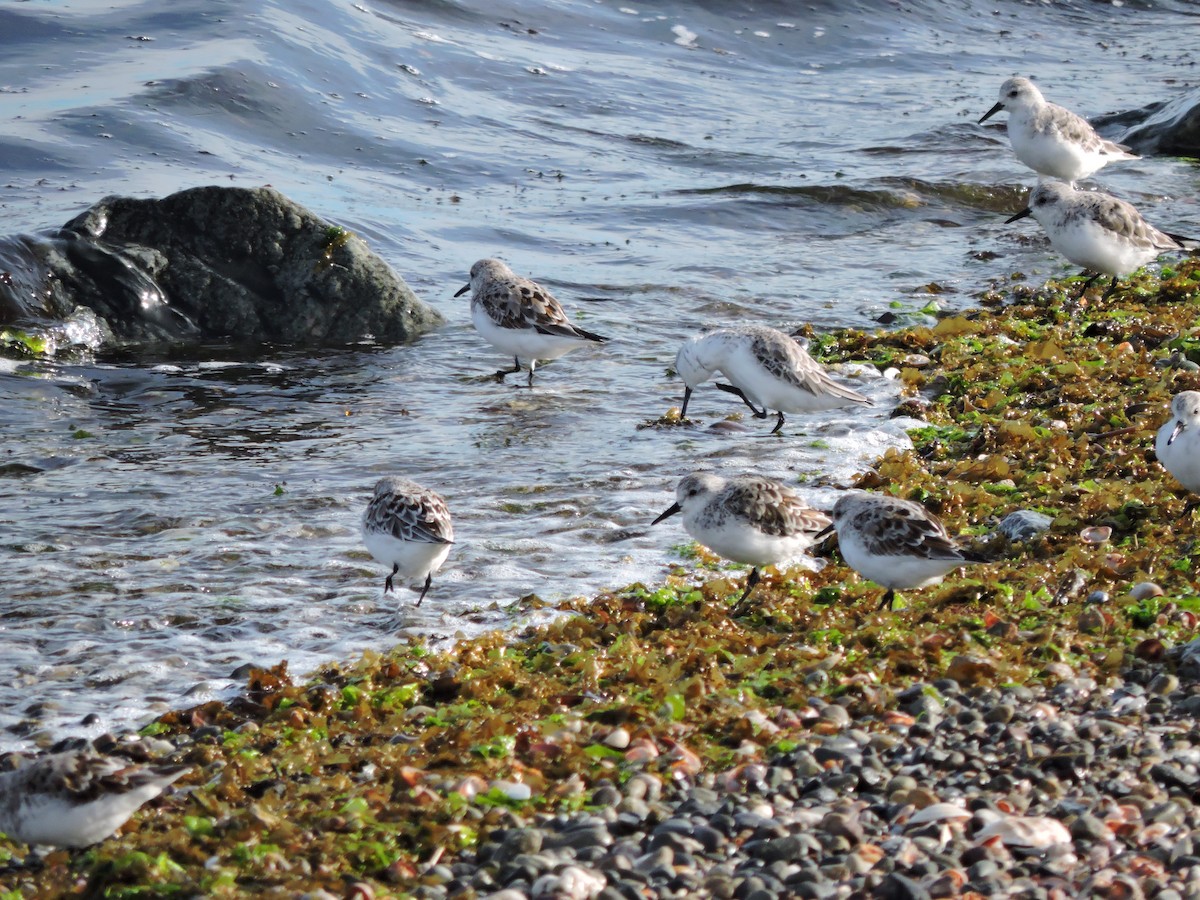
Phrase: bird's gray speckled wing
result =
(772, 509)
(520, 303)
(903, 528)
(789, 362)
(1123, 219)
(420, 516)
(82, 777)
(1053, 119)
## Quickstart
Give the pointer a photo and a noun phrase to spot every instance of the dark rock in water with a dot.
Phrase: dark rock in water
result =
(1167, 128)
(205, 264)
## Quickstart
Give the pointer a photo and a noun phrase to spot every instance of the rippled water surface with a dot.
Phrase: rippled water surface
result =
(168, 517)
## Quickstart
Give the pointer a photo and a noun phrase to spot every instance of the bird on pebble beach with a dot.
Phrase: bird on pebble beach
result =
(520, 317)
(896, 543)
(407, 527)
(1051, 140)
(748, 519)
(765, 366)
(1177, 444)
(1097, 231)
(78, 797)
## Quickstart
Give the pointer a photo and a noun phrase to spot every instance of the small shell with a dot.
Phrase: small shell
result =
(513, 790)
(683, 761)
(871, 853)
(640, 751)
(618, 739)
(1153, 832)
(1035, 832)
(470, 786)
(1144, 589)
(938, 812)
(1095, 534)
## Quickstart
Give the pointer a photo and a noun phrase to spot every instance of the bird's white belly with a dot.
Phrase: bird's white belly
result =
(745, 544)
(759, 385)
(523, 343)
(1088, 244)
(416, 559)
(769, 391)
(1182, 458)
(894, 572)
(51, 820)
(1049, 154)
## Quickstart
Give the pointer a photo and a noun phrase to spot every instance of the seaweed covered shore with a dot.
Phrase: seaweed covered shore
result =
(1027, 728)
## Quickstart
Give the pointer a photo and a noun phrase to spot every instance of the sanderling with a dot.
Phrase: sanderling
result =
(408, 528)
(1178, 441)
(1097, 231)
(76, 798)
(520, 317)
(895, 543)
(1049, 139)
(764, 365)
(747, 519)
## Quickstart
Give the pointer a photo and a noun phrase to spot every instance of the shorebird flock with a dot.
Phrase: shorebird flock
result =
(1090, 228)
(756, 521)
(75, 798)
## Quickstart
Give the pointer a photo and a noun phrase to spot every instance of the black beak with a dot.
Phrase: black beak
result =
(991, 112)
(670, 511)
(824, 535)
(687, 395)
(462, 290)
(1175, 433)
(1022, 214)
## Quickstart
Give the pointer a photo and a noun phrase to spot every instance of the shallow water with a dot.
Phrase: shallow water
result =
(170, 517)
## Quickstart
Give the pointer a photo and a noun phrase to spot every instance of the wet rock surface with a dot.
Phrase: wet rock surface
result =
(1170, 127)
(209, 264)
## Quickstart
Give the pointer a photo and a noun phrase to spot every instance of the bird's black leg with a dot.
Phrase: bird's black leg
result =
(737, 392)
(1112, 287)
(500, 373)
(387, 585)
(1087, 284)
(750, 583)
(779, 424)
(425, 590)
(889, 598)
(532, 365)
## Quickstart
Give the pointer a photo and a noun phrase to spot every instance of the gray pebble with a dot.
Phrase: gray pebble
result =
(1024, 524)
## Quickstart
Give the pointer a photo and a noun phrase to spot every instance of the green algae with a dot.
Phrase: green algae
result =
(1037, 401)
(23, 343)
